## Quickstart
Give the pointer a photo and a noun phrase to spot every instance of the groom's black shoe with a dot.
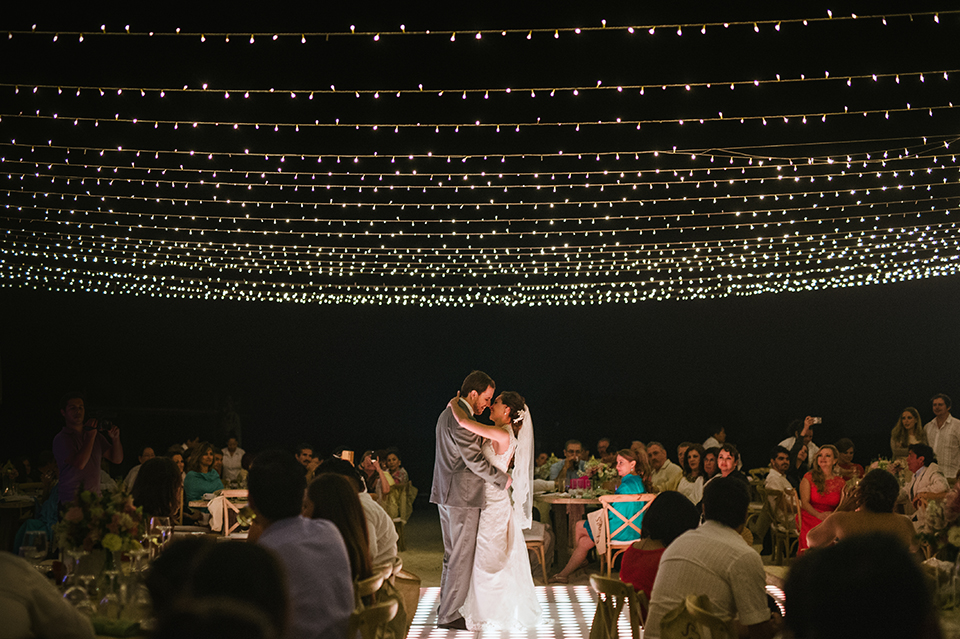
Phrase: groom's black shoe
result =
(456, 624)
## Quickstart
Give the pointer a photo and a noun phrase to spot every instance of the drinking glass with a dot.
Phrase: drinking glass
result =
(159, 531)
(110, 604)
(34, 547)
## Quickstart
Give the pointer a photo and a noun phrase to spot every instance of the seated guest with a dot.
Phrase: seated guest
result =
(307, 459)
(197, 569)
(399, 501)
(375, 477)
(717, 438)
(397, 472)
(820, 492)
(332, 496)
(160, 490)
(727, 460)
(311, 551)
(609, 455)
(775, 482)
(381, 533)
(245, 462)
(927, 483)
(633, 472)
(710, 463)
(570, 466)
(201, 477)
(637, 446)
(79, 447)
(603, 445)
(874, 499)
(712, 560)
(848, 470)
(691, 482)
(666, 474)
(232, 458)
(891, 597)
(145, 454)
(799, 465)
(801, 433)
(681, 449)
(26, 473)
(668, 517)
(179, 461)
(31, 606)
(218, 463)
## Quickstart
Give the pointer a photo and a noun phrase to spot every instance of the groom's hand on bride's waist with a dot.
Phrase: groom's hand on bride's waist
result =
(509, 481)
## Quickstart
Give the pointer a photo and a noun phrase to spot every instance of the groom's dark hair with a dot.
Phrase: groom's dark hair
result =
(476, 381)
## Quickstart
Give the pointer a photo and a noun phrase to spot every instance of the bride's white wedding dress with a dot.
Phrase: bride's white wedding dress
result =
(501, 594)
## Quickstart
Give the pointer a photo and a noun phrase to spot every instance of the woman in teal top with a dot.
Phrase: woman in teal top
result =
(201, 477)
(632, 467)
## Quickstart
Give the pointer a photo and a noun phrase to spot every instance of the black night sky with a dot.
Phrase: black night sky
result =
(360, 374)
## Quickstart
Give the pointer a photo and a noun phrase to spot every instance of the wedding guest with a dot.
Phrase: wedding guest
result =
(712, 560)
(201, 477)
(718, 437)
(710, 463)
(26, 473)
(943, 433)
(245, 462)
(400, 476)
(928, 482)
(381, 532)
(80, 446)
(332, 496)
(668, 517)
(848, 469)
(107, 483)
(820, 492)
(609, 456)
(681, 449)
(727, 460)
(891, 597)
(375, 478)
(145, 454)
(311, 551)
(570, 466)
(542, 458)
(798, 431)
(232, 457)
(638, 446)
(634, 474)
(178, 460)
(691, 483)
(218, 463)
(31, 606)
(906, 431)
(603, 445)
(666, 474)
(307, 459)
(873, 501)
(775, 483)
(158, 488)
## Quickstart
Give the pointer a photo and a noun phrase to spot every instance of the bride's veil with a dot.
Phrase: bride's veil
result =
(523, 472)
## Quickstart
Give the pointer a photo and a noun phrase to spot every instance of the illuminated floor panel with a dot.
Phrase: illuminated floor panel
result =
(567, 614)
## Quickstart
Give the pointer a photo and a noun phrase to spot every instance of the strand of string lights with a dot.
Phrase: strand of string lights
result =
(530, 91)
(477, 34)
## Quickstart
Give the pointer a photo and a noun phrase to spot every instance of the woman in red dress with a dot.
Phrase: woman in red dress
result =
(820, 492)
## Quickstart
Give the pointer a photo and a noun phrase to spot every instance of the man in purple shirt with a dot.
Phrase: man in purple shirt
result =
(79, 447)
(312, 551)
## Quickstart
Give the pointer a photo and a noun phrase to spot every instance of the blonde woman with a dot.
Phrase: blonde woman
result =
(821, 491)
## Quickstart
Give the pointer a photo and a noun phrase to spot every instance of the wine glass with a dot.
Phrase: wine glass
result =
(110, 604)
(34, 547)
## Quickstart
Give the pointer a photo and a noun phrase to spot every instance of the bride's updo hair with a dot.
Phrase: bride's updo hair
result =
(515, 402)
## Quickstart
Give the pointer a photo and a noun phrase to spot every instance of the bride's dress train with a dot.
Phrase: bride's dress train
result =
(501, 592)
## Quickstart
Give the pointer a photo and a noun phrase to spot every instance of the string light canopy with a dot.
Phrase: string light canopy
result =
(503, 170)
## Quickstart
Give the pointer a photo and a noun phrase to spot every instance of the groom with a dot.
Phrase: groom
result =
(459, 471)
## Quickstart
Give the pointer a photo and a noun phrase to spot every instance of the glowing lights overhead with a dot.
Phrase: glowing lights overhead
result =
(553, 183)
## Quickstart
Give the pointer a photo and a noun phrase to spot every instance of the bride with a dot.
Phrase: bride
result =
(501, 594)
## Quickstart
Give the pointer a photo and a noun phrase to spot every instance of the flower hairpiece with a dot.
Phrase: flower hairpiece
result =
(520, 415)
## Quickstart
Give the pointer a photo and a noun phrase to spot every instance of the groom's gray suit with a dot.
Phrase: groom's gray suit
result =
(459, 472)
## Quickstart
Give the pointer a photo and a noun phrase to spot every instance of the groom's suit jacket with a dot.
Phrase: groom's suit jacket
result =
(460, 469)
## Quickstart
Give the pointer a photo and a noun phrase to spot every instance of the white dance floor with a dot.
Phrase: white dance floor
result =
(567, 613)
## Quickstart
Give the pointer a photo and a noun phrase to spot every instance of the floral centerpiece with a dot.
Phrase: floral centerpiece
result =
(896, 467)
(598, 471)
(109, 521)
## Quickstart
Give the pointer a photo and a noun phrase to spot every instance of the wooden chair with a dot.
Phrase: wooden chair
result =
(785, 527)
(696, 617)
(612, 594)
(620, 523)
(370, 621)
(230, 507)
(535, 542)
(368, 587)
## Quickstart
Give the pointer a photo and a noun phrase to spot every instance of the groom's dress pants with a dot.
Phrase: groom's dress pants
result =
(459, 526)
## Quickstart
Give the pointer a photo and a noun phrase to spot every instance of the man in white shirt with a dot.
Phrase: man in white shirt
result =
(943, 433)
(232, 455)
(713, 560)
(717, 438)
(569, 467)
(666, 474)
(775, 481)
(928, 482)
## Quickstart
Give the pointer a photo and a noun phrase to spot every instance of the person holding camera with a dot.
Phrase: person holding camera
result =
(79, 447)
(377, 480)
